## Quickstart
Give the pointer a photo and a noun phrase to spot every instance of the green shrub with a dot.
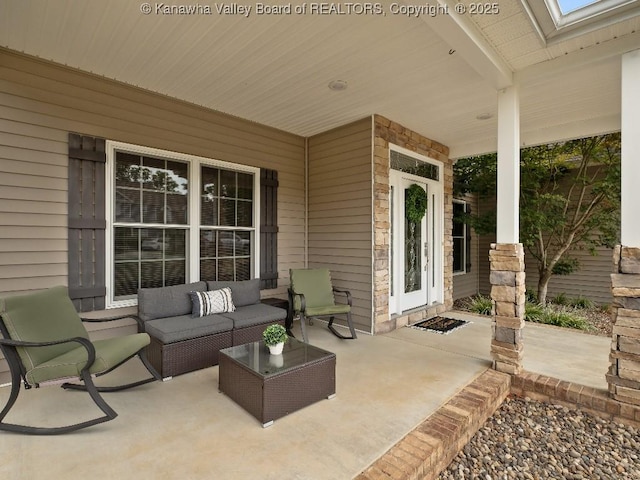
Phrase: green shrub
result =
(480, 304)
(561, 299)
(531, 296)
(581, 302)
(533, 312)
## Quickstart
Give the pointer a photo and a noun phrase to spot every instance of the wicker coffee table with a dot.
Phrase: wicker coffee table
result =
(272, 386)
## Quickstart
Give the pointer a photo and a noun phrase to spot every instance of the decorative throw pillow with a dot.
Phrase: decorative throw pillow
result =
(214, 301)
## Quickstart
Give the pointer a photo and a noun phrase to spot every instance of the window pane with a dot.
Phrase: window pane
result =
(243, 243)
(126, 279)
(175, 243)
(175, 272)
(458, 224)
(210, 181)
(245, 214)
(458, 257)
(126, 244)
(127, 205)
(151, 274)
(177, 189)
(148, 257)
(207, 244)
(245, 186)
(243, 269)
(228, 212)
(227, 183)
(208, 211)
(226, 258)
(208, 269)
(153, 207)
(226, 240)
(127, 170)
(153, 174)
(225, 269)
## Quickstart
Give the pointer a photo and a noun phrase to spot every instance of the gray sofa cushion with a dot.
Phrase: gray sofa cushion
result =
(183, 327)
(257, 314)
(245, 292)
(166, 301)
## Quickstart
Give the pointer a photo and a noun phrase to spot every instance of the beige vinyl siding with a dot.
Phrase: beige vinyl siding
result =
(40, 103)
(592, 280)
(466, 284)
(340, 212)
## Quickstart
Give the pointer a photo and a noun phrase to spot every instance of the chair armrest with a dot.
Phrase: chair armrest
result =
(303, 303)
(116, 317)
(105, 319)
(91, 350)
(346, 292)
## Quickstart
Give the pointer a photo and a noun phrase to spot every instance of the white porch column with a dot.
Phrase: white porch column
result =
(508, 191)
(630, 226)
(624, 372)
(506, 256)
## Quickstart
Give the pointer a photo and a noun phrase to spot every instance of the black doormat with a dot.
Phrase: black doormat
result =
(440, 325)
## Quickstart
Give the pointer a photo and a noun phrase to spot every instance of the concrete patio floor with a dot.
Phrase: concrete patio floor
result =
(186, 429)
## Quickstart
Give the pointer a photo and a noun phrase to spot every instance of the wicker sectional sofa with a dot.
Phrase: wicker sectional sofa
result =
(181, 343)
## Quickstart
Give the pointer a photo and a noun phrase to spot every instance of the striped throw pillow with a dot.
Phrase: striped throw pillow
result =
(214, 301)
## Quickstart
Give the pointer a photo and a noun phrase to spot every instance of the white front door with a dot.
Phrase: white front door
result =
(410, 245)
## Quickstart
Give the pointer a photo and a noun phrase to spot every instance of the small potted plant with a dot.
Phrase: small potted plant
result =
(274, 337)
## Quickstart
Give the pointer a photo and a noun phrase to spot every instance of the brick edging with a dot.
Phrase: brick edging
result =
(572, 395)
(429, 448)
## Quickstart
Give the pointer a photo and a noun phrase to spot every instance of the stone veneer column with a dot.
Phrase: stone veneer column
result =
(508, 297)
(624, 372)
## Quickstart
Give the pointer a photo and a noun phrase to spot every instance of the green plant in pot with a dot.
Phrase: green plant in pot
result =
(274, 337)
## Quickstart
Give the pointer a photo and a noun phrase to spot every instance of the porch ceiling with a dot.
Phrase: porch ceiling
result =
(434, 75)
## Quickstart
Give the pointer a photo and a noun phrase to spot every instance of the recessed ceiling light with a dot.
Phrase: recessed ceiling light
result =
(484, 116)
(338, 85)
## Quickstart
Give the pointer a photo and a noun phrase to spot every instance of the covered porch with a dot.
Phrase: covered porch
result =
(386, 385)
(322, 100)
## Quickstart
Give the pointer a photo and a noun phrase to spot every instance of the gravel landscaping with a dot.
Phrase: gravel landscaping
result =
(526, 439)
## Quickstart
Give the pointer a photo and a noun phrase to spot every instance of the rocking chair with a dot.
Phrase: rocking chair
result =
(311, 295)
(44, 341)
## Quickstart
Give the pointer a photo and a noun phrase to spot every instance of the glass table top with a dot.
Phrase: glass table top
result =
(256, 357)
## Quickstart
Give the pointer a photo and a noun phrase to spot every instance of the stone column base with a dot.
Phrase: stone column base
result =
(624, 372)
(508, 296)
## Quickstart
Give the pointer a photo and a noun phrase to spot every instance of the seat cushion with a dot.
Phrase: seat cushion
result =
(251, 315)
(183, 327)
(167, 301)
(328, 310)
(110, 352)
(245, 292)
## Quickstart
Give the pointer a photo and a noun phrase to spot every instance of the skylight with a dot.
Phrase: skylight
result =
(560, 20)
(568, 6)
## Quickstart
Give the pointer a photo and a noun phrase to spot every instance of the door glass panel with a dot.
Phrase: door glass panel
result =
(413, 254)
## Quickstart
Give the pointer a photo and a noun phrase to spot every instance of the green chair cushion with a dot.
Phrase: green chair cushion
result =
(43, 316)
(328, 310)
(315, 285)
(110, 353)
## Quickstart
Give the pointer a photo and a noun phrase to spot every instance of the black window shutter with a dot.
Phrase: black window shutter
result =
(87, 223)
(467, 240)
(268, 228)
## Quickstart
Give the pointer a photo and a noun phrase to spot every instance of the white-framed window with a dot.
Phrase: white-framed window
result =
(174, 218)
(460, 237)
